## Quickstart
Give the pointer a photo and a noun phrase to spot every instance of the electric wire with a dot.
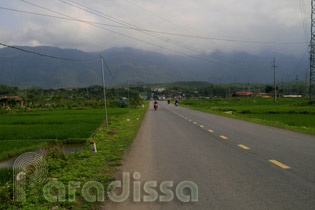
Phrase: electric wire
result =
(45, 55)
(300, 62)
(158, 16)
(303, 21)
(111, 18)
(209, 38)
(130, 37)
(178, 44)
(73, 19)
(109, 71)
(154, 31)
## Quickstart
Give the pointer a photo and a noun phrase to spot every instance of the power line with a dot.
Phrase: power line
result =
(158, 16)
(171, 23)
(111, 18)
(203, 37)
(93, 24)
(116, 20)
(300, 62)
(219, 57)
(154, 31)
(312, 54)
(109, 71)
(49, 56)
(130, 37)
(139, 29)
(130, 26)
(89, 22)
(274, 79)
(303, 20)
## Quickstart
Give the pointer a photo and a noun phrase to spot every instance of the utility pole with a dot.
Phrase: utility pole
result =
(229, 90)
(104, 90)
(128, 97)
(312, 52)
(297, 85)
(87, 90)
(306, 78)
(274, 79)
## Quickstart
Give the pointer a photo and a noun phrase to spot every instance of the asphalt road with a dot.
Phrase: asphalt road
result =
(237, 165)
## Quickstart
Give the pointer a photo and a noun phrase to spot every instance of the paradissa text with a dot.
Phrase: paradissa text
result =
(150, 188)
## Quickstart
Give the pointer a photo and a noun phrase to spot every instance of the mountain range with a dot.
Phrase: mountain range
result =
(21, 69)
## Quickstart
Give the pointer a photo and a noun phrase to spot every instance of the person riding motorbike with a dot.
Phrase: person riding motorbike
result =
(176, 103)
(155, 105)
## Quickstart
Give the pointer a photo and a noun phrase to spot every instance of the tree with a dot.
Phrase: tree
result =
(269, 89)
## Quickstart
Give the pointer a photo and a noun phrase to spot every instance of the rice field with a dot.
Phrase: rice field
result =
(24, 131)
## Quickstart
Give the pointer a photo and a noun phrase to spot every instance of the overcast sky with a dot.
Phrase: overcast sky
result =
(252, 20)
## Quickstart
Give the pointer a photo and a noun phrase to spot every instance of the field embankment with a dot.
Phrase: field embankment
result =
(288, 113)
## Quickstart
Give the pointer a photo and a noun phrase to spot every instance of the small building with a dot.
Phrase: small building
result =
(251, 94)
(263, 95)
(244, 94)
(5, 99)
(158, 89)
(292, 96)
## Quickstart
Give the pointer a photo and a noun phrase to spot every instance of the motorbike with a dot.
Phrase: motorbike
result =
(176, 104)
(155, 107)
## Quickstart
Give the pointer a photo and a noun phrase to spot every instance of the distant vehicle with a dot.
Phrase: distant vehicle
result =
(168, 101)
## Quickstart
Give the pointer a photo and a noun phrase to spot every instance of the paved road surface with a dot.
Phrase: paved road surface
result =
(237, 165)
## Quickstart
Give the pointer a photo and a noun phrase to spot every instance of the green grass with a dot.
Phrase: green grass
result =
(60, 124)
(5, 175)
(25, 131)
(289, 113)
(84, 166)
(10, 148)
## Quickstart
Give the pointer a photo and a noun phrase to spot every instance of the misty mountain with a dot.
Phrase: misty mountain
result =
(22, 69)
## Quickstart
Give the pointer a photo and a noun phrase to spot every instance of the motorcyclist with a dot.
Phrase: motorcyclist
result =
(176, 103)
(155, 105)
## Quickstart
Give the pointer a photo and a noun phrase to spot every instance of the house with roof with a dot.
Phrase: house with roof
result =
(4, 100)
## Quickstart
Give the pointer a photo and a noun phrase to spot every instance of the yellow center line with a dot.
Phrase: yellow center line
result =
(279, 164)
(211, 131)
(186, 118)
(243, 146)
(201, 126)
(224, 137)
(189, 120)
(195, 123)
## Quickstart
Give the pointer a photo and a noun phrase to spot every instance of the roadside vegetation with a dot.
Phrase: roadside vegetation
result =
(32, 118)
(82, 166)
(289, 113)
(51, 118)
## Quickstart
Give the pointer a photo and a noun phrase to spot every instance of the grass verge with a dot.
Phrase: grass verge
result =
(290, 114)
